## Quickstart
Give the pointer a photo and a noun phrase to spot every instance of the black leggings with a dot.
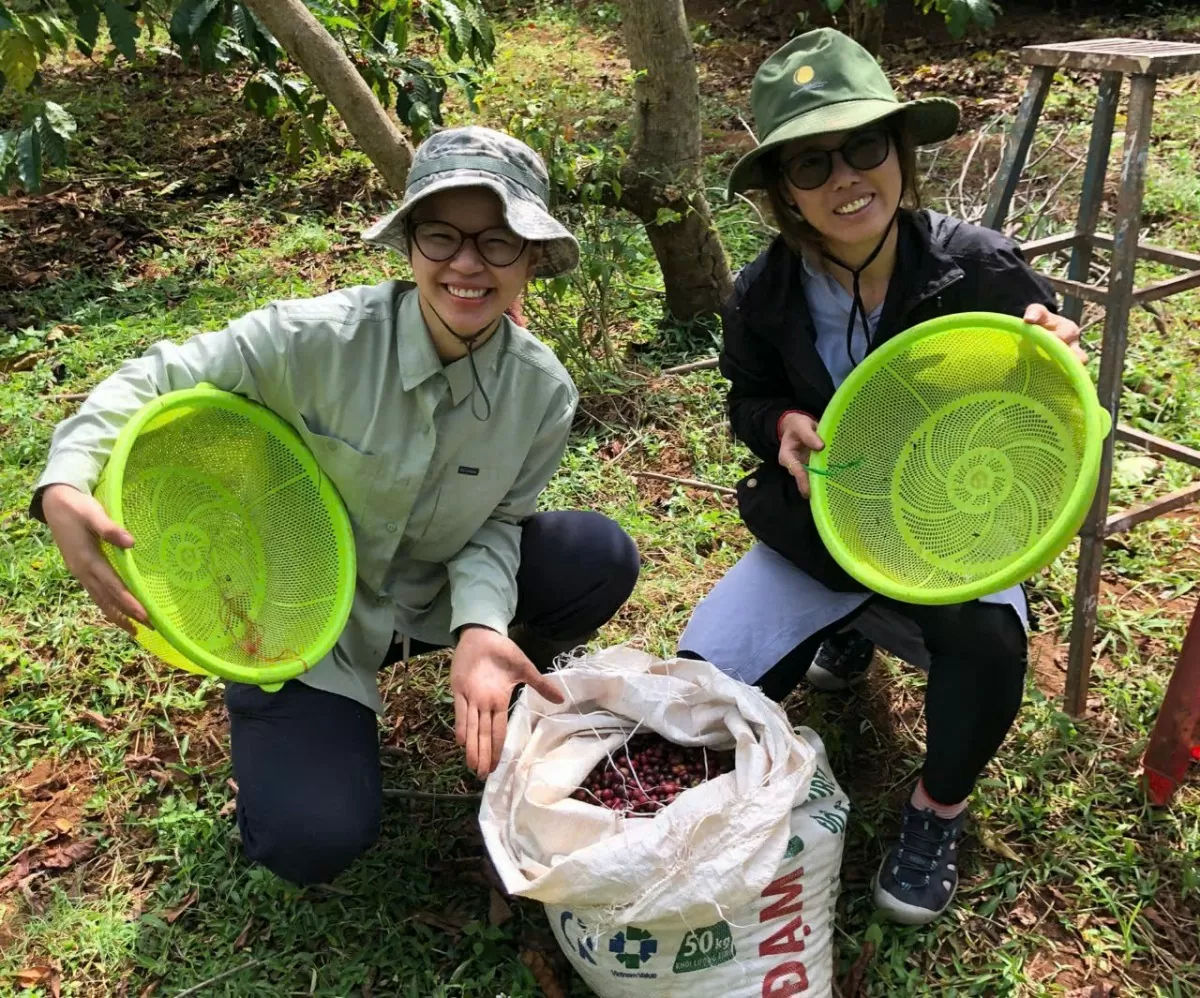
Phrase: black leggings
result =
(307, 761)
(977, 667)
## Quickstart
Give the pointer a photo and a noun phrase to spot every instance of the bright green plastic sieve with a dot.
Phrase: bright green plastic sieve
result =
(960, 458)
(243, 553)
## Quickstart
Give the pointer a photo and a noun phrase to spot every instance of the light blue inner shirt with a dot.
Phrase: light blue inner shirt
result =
(830, 304)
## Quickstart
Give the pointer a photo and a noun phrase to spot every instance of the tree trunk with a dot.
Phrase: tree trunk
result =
(327, 65)
(866, 24)
(664, 166)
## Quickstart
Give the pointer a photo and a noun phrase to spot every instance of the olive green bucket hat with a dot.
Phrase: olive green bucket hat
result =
(823, 81)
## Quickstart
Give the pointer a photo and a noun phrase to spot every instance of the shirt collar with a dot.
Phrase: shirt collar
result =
(418, 358)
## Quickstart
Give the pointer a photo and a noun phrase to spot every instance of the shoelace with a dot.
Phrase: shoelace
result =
(921, 836)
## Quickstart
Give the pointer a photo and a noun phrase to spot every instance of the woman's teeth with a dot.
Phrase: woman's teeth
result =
(853, 206)
(467, 292)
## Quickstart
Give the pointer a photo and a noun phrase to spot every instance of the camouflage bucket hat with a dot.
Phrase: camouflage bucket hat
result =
(821, 82)
(482, 157)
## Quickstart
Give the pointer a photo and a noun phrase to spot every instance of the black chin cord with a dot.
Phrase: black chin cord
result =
(859, 305)
(469, 343)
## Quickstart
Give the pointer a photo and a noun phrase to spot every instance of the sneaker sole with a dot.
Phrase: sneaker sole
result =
(822, 679)
(902, 912)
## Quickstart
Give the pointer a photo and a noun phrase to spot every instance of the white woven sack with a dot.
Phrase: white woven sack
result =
(728, 891)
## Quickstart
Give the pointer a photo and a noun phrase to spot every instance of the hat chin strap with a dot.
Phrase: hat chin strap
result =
(469, 343)
(859, 306)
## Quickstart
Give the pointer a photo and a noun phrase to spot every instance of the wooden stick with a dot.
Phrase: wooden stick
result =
(697, 365)
(197, 988)
(691, 483)
(430, 795)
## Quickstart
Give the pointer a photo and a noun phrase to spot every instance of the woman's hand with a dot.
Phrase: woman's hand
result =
(797, 440)
(486, 667)
(1059, 325)
(78, 523)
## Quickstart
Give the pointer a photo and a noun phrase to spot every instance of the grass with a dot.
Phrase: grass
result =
(1070, 881)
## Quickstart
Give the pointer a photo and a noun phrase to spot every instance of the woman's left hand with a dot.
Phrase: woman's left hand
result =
(1059, 325)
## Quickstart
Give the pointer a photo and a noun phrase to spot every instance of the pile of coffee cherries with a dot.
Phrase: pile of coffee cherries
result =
(648, 773)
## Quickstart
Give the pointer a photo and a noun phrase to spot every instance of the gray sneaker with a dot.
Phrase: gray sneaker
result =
(841, 662)
(919, 875)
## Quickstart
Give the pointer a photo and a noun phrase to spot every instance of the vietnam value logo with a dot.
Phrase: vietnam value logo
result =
(633, 947)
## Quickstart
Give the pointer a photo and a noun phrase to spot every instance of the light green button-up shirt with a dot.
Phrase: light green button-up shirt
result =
(436, 496)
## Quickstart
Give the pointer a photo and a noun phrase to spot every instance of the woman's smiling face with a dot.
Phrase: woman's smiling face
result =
(467, 290)
(852, 206)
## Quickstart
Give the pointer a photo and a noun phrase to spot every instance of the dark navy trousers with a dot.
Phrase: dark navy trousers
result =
(307, 761)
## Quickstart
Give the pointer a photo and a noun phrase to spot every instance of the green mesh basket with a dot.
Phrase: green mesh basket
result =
(243, 553)
(960, 458)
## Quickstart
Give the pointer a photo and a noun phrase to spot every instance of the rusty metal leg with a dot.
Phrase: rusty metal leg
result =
(1018, 149)
(1093, 186)
(1112, 363)
(1172, 742)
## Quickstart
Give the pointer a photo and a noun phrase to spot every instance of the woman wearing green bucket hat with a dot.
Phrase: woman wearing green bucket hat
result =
(857, 262)
(440, 420)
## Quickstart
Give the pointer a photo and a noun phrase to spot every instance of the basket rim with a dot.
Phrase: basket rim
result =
(109, 493)
(1056, 537)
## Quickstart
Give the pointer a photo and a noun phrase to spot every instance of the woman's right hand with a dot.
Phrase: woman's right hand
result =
(797, 440)
(78, 523)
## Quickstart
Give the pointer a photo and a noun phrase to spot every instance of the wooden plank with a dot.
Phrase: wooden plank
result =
(1165, 289)
(1140, 117)
(1157, 445)
(1040, 247)
(1099, 149)
(1078, 289)
(1118, 523)
(996, 213)
(1135, 56)
(1159, 254)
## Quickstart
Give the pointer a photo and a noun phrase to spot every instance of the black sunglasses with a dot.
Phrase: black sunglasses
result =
(441, 241)
(862, 150)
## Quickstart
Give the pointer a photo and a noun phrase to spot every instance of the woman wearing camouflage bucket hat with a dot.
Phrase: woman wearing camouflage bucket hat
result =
(856, 262)
(440, 420)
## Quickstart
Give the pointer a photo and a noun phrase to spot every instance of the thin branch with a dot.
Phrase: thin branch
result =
(690, 483)
(431, 795)
(696, 365)
(197, 988)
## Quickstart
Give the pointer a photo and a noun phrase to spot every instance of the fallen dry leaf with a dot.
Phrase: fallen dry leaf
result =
(101, 722)
(997, 845)
(243, 937)
(446, 924)
(543, 973)
(498, 910)
(68, 855)
(149, 990)
(62, 825)
(173, 915)
(31, 977)
(852, 983)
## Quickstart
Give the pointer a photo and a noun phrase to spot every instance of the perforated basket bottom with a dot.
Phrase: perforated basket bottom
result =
(955, 458)
(235, 546)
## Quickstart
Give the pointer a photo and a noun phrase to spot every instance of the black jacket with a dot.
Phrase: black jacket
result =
(770, 357)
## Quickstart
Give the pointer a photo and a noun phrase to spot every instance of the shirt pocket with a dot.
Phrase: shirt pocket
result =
(466, 496)
(354, 472)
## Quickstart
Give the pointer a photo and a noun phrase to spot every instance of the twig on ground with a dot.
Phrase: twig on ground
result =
(195, 989)
(691, 483)
(696, 365)
(430, 795)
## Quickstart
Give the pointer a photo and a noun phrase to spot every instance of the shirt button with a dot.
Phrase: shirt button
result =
(752, 483)
(391, 527)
